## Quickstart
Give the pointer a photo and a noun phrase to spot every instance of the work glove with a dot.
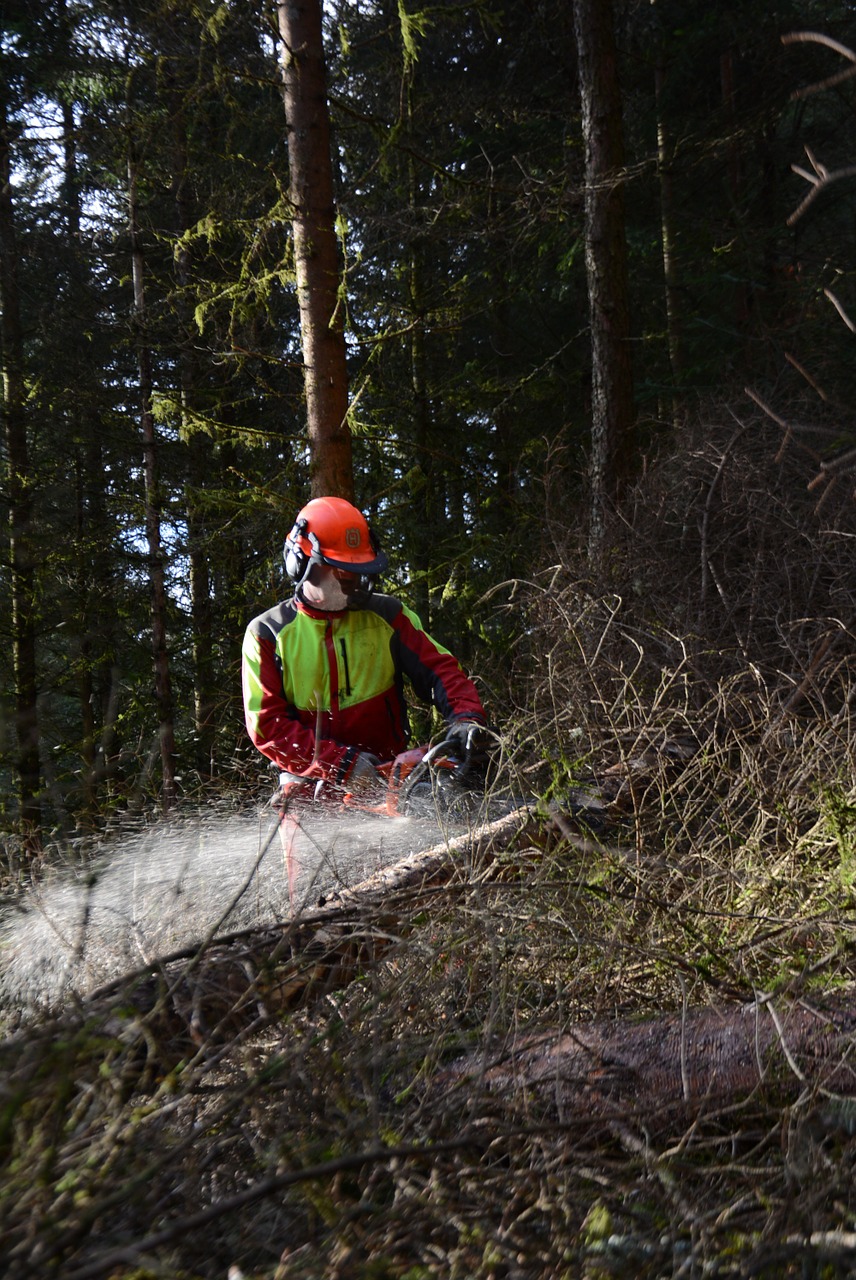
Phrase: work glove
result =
(470, 739)
(291, 786)
(364, 779)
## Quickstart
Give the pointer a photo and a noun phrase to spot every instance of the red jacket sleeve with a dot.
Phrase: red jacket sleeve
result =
(436, 675)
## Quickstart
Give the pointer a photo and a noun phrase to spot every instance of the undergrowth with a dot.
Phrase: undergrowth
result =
(693, 762)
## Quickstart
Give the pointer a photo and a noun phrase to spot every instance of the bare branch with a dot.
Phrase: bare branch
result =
(840, 309)
(780, 422)
(844, 461)
(815, 37)
(792, 360)
(823, 180)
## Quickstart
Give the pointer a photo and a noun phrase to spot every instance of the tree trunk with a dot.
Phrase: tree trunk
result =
(83, 565)
(728, 81)
(663, 1071)
(425, 523)
(422, 529)
(85, 682)
(163, 688)
(674, 317)
(201, 611)
(213, 993)
(93, 569)
(606, 262)
(22, 554)
(316, 255)
(198, 467)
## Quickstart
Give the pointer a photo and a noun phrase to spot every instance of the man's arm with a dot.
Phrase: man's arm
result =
(436, 674)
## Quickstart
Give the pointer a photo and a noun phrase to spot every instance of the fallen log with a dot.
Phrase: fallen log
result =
(676, 1067)
(188, 1004)
(191, 1004)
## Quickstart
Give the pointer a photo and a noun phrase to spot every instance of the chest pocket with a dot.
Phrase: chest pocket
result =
(364, 663)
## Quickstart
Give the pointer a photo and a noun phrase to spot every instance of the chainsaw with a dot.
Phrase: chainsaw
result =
(423, 782)
(418, 782)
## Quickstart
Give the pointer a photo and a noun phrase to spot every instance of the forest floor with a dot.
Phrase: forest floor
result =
(335, 1140)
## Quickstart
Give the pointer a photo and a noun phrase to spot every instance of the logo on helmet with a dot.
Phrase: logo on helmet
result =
(352, 538)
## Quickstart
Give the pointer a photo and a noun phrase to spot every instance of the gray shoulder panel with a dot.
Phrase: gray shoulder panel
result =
(272, 621)
(386, 607)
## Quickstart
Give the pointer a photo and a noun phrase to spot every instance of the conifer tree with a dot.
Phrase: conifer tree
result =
(316, 255)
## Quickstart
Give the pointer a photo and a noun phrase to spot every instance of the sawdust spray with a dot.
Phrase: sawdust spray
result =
(152, 892)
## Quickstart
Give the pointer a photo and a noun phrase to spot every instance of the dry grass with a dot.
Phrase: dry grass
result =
(685, 689)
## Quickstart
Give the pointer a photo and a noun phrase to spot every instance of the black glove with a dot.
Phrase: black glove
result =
(467, 736)
(469, 739)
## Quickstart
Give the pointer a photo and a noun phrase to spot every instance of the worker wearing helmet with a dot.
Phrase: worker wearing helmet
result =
(324, 672)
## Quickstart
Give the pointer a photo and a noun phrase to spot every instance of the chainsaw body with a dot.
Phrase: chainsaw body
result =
(418, 781)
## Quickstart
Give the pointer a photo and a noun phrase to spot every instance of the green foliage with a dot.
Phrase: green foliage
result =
(342, 1136)
(414, 27)
(459, 207)
(699, 683)
(840, 814)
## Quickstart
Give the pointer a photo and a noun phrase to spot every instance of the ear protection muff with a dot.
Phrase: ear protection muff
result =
(297, 562)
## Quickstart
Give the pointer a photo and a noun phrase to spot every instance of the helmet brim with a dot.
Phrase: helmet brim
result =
(378, 565)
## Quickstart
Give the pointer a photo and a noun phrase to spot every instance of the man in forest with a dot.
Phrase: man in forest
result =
(323, 672)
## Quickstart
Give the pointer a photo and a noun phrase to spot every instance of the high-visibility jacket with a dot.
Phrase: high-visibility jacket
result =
(341, 676)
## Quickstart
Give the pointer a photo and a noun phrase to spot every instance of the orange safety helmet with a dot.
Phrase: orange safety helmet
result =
(332, 531)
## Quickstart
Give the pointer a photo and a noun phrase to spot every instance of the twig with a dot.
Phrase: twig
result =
(792, 360)
(815, 37)
(818, 181)
(839, 306)
(260, 1191)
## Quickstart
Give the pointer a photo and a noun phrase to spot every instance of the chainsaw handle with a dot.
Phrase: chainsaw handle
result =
(442, 749)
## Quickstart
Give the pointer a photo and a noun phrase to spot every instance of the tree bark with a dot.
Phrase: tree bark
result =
(202, 613)
(673, 1068)
(208, 996)
(22, 552)
(316, 255)
(157, 578)
(606, 263)
(423, 490)
(663, 1072)
(728, 80)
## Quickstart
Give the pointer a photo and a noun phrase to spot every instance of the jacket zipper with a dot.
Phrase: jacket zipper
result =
(333, 668)
(344, 650)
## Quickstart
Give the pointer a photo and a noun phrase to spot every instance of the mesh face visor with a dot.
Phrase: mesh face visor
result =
(366, 571)
(361, 568)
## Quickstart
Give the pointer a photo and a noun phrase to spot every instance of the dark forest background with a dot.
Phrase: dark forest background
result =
(152, 357)
(601, 1045)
